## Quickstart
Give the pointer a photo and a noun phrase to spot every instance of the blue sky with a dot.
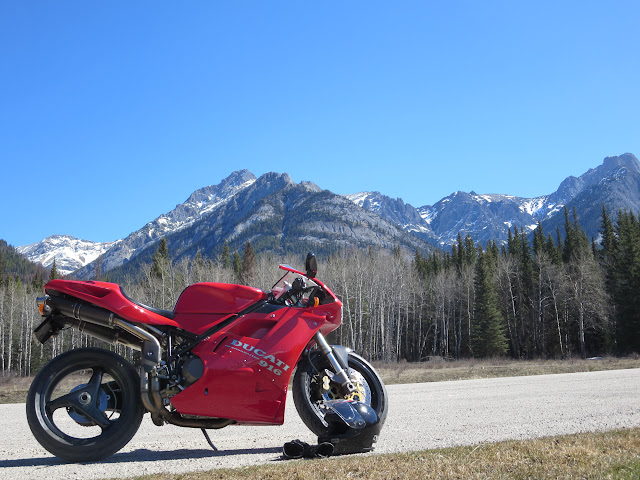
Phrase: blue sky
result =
(114, 112)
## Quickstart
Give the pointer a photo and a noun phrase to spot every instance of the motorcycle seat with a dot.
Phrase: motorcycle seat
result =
(158, 311)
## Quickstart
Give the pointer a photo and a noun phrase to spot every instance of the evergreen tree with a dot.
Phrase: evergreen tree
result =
(38, 282)
(553, 251)
(539, 240)
(435, 263)
(469, 250)
(575, 240)
(237, 263)
(559, 249)
(248, 269)
(609, 239)
(488, 333)
(457, 252)
(625, 280)
(513, 243)
(225, 258)
(53, 274)
(421, 264)
(161, 259)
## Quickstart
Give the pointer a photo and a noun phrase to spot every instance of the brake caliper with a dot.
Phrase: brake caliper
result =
(333, 391)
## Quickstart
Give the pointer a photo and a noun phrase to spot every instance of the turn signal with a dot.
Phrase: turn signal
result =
(43, 308)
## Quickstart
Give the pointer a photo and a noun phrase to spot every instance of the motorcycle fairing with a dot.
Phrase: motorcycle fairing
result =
(246, 378)
(109, 296)
(199, 307)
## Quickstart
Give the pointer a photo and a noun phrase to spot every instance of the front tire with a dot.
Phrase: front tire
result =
(85, 405)
(309, 389)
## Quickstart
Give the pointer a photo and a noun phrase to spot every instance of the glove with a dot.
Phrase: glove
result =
(299, 449)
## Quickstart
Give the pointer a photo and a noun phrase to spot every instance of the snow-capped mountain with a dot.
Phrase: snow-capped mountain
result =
(199, 204)
(397, 212)
(70, 253)
(279, 216)
(490, 216)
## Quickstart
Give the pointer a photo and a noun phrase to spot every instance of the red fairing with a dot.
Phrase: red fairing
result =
(217, 298)
(109, 296)
(249, 364)
(247, 367)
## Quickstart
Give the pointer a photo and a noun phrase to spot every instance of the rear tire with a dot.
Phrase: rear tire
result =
(308, 391)
(85, 405)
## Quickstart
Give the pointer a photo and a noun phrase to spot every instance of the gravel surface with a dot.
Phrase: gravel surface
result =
(421, 416)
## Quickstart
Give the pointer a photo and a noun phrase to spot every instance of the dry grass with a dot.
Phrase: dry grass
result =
(440, 370)
(583, 456)
(14, 389)
(590, 455)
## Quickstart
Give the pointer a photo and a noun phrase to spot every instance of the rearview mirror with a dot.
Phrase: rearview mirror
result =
(311, 265)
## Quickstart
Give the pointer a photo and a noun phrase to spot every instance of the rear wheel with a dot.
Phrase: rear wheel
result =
(311, 387)
(85, 405)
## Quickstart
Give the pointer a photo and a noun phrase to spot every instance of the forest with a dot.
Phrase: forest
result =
(550, 295)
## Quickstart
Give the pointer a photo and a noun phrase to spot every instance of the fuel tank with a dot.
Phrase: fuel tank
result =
(217, 298)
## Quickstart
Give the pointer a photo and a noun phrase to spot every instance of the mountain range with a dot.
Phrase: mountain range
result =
(280, 216)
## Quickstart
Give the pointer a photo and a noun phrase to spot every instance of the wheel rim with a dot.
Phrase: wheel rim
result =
(318, 393)
(80, 404)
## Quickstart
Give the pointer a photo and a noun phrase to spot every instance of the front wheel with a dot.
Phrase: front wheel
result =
(85, 405)
(311, 387)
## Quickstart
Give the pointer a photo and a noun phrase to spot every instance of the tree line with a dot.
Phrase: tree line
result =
(555, 295)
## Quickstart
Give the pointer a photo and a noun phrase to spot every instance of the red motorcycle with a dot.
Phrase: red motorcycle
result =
(223, 356)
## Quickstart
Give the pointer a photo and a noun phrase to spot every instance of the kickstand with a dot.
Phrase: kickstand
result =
(206, 435)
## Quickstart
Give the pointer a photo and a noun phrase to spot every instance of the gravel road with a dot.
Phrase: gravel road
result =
(421, 416)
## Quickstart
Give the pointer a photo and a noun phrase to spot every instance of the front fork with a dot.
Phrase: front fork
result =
(341, 375)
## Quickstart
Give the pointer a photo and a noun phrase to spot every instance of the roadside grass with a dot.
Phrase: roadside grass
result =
(13, 389)
(612, 454)
(439, 370)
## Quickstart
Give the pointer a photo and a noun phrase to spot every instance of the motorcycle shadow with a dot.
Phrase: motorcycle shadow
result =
(142, 455)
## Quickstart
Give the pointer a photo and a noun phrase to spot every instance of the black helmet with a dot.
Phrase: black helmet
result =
(353, 426)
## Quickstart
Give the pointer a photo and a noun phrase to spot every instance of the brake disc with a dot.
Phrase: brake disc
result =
(362, 393)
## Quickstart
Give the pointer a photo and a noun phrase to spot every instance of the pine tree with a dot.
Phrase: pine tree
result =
(469, 250)
(539, 240)
(553, 251)
(458, 252)
(575, 240)
(53, 274)
(248, 269)
(160, 259)
(237, 263)
(488, 333)
(625, 279)
(421, 264)
(609, 239)
(225, 257)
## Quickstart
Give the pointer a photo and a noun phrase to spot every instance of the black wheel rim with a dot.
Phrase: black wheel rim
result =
(316, 394)
(80, 403)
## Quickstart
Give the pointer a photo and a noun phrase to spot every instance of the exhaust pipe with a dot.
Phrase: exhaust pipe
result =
(105, 325)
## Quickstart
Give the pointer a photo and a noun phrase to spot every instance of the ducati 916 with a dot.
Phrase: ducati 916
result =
(223, 356)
